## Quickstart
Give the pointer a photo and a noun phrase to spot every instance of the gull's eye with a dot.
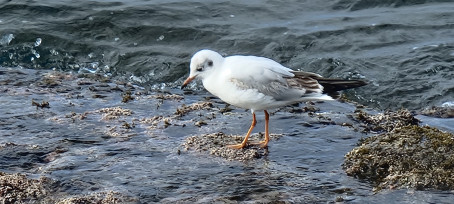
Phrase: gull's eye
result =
(210, 63)
(199, 69)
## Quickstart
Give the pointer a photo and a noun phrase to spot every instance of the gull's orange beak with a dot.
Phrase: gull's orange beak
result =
(186, 82)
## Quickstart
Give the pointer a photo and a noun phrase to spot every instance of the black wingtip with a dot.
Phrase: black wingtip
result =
(334, 85)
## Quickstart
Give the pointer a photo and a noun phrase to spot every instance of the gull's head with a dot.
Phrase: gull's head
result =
(202, 64)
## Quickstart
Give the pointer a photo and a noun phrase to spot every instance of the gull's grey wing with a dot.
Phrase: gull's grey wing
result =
(271, 78)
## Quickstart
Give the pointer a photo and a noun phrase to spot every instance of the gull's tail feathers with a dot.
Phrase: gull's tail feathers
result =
(331, 87)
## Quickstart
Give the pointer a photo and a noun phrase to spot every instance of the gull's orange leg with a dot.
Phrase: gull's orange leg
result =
(264, 143)
(267, 133)
(244, 143)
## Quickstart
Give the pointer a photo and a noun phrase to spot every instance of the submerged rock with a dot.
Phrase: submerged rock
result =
(114, 112)
(216, 144)
(439, 112)
(410, 156)
(158, 122)
(126, 97)
(167, 97)
(44, 104)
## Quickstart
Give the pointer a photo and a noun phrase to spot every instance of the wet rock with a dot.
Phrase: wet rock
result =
(216, 144)
(53, 79)
(99, 198)
(123, 131)
(17, 188)
(226, 109)
(84, 82)
(322, 118)
(200, 123)
(184, 109)
(126, 97)
(44, 104)
(101, 88)
(439, 112)
(114, 112)
(75, 116)
(339, 199)
(157, 122)
(98, 96)
(385, 122)
(310, 108)
(410, 156)
(127, 125)
(167, 97)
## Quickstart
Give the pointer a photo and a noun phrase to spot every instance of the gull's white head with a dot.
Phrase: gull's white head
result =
(202, 63)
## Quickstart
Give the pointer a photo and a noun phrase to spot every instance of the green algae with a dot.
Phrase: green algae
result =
(411, 156)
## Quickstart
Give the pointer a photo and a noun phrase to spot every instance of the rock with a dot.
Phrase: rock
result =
(200, 123)
(157, 122)
(385, 122)
(114, 113)
(109, 197)
(126, 97)
(410, 156)
(17, 188)
(184, 109)
(44, 104)
(216, 144)
(439, 112)
(167, 97)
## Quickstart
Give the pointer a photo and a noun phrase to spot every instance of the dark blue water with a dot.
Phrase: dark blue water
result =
(405, 49)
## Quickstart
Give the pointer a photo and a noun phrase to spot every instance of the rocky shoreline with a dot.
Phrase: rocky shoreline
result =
(17, 188)
(403, 154)
(394, 155)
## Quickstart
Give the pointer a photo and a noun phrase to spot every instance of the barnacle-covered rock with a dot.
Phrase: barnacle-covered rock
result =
(410, 156)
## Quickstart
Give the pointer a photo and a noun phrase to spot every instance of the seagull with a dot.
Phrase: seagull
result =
(259, 83)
